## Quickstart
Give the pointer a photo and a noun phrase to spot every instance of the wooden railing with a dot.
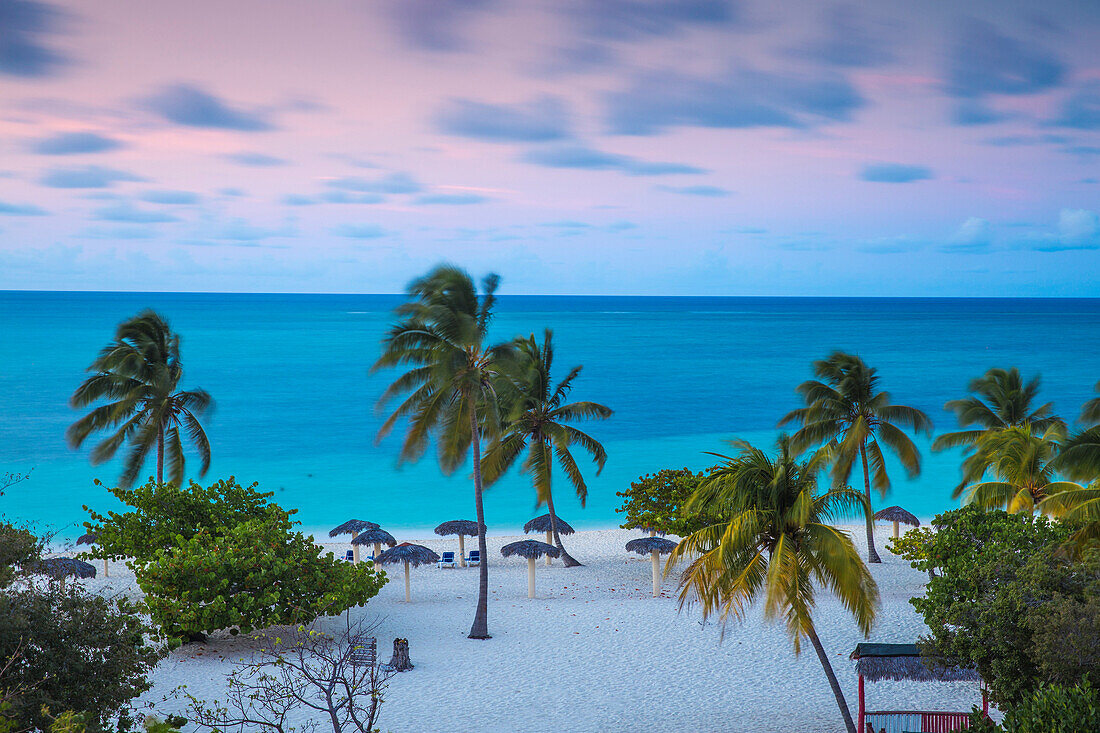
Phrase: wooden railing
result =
(912, 721)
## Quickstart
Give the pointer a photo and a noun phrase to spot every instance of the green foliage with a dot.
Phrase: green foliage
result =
(255, 574)
(658, 501)
(136, 376)
(18, 548)
(1055, 709)
(1065, 616)
(163, 514)
(912, 545)
(996, 574)
(73, 651)
(171, 724)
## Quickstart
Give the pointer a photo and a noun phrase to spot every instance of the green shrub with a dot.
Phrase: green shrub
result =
(655, 502)
(225, 557)
(1055, 709)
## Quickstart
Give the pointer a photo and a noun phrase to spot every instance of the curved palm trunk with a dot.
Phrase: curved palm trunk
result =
(824, 658)
(872, 553)
(480, 629)
(160, 455)
(568, 560)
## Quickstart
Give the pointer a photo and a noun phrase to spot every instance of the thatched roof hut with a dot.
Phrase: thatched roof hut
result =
(530, 549)
(374, 537)
(352, 527)
(414, 555)
(88, 539)
(542, 524)
(408, 554)
(897, 515)
(61, 567)
(903, 662)
(648, 545)
(460, 527)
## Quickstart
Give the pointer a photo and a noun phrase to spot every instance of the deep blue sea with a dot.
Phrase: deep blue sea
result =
(296, 402)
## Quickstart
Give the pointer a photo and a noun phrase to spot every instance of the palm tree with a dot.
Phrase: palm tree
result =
(846, 413)
(1000, 400)
(449, 383)
(1023, 460)
(1090, 412)
(139, 374)
(1080, 455)
(534, 421)
(775, 540)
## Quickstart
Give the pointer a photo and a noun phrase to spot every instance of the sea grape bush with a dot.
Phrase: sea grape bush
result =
(225, 557)
(655, 502)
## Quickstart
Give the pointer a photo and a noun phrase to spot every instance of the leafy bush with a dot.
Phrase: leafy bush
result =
(1055, 709)
(225, 557)
(995, 571)
(63, 649)
(655, 502)
(18, 548)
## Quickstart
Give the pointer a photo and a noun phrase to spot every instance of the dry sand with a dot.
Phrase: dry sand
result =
(593, 652)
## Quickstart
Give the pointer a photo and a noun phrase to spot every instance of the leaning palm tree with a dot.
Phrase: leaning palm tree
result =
(448, 385)
(847, 414)
(535, 413)
(776, 541)
(1001, 400)
(138, 374)
(1023, 463)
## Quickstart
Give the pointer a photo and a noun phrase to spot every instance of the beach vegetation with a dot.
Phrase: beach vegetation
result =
(66, 650)
(1001, 399)
(776, 542)
(535, 417)
(1022, 462)
(136, 377)
(335, 677)
(1052, 708)
(448, 387)
(846, 412)
(225, 557)
(657, 502)
(1008, 600)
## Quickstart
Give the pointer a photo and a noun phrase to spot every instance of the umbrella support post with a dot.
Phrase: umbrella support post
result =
(377, 549)
(549, 541)
(656, 574)
(104, 567)
(354, 549)
(461, 551)
(530, 577)
(895, 529)
(408, 594)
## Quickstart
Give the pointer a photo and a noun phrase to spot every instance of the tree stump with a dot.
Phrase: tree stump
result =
(400, 661)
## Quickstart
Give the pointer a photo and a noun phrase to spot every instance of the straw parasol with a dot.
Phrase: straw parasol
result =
(542, 524)
(655, 547)
(376, 537)
(463, 528)
(409, 554)
(532, 550)
(90, 539)
(896, 515)
(353, 527)
(62, 567)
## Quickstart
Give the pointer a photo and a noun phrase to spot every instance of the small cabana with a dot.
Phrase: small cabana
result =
(353, 527)
(90, 539)
(897, 515)
(376, 537)
(877, 662)
(463, 528)
(543, 524)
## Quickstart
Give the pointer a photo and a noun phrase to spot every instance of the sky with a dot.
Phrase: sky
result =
(617, 147)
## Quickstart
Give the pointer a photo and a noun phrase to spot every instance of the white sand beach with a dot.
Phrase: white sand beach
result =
(594, 651)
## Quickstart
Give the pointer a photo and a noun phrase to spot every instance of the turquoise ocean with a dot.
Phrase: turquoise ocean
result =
(296, 402)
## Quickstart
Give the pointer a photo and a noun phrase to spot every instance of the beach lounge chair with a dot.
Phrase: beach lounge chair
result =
(474, 558)
(349, 556)
(448, 558)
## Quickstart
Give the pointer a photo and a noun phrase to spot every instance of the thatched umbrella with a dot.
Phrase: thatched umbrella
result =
(532, 550)
(376, 537)
(463, 528)
(62, 567)
(409, 554)
(655, 547)
(90, 539)
(353, 527)
(896, 515)
(542, 524)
